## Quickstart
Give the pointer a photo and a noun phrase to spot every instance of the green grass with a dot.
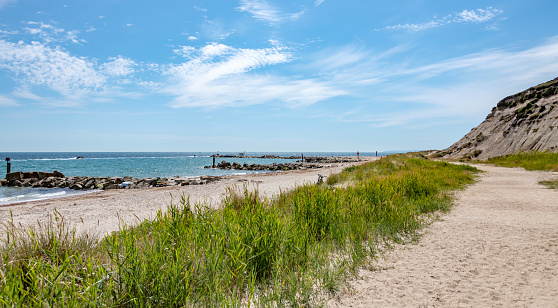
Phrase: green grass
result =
(529, 161)
(552, 184)
(293, 250)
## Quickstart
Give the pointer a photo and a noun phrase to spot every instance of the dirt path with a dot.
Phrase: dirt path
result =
(497, 248)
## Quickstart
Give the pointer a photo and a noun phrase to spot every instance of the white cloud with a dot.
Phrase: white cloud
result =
(25, 93)
(50, 33)
(4, 3)
(119, 66)
(218, 75)
(40, 65)
(7, 102)
(192, 38)
(465, 16)
(457, 89)
(478, 15)
(318, 2)
(263, 11)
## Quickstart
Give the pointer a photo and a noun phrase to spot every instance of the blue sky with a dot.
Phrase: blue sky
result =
(263, 75)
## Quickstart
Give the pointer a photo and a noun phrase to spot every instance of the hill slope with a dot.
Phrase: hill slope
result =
(526, 121)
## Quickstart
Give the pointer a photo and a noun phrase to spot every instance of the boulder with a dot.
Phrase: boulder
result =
(44, 175)
(29, 175)
(14, 176)
(3, 182)
(16, 183)
(58, 174)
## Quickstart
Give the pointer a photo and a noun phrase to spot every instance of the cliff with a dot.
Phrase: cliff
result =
(526, 121)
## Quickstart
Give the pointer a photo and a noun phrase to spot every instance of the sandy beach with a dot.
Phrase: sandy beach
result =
(103, 211)
(497, 248)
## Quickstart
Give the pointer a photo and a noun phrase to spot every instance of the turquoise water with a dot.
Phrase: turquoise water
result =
(120, 164)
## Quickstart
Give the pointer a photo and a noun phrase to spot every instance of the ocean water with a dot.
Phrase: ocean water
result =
(134, 164)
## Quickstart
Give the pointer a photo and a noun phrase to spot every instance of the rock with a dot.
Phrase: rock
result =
(16, 183)
(44, 175)
(3, 182)
(76, 187)
(14, 176)
(57, 174)
(30, 175)
(112, 186)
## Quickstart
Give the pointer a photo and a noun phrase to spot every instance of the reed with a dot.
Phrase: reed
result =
(293, 250)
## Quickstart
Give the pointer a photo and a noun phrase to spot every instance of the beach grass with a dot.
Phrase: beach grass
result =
(295, 249)
(528, 160)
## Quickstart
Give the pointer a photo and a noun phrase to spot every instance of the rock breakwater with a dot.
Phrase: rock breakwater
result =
(272, 167)
(58, 180)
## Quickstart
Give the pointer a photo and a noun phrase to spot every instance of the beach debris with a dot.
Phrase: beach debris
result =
(320, 178)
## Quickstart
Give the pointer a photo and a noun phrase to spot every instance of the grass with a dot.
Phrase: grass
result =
(293, 250)
(529, 160)
(552, 184)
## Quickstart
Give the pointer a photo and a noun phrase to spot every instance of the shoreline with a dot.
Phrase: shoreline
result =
(103, 212)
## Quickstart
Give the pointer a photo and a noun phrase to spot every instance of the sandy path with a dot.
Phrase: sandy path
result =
(497, 248)
(102, 211)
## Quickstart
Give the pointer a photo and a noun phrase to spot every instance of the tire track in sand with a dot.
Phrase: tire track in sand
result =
(498, 247)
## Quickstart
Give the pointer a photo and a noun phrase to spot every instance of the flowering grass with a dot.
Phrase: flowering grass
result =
(292, 250)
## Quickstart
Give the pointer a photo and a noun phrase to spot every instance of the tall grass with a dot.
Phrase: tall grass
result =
(293, 250)
(528, 160)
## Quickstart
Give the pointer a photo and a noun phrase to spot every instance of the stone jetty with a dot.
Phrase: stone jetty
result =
(57, 179)
(271, 167)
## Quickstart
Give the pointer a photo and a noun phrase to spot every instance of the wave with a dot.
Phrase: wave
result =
(48, 195)
(11, 198)
(30, 194)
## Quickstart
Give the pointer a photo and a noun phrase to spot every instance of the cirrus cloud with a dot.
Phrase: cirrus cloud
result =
(217, 75)
(465, 16)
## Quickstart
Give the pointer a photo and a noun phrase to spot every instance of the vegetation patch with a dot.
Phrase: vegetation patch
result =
(292, 250)
(552, 184)
(528, 160)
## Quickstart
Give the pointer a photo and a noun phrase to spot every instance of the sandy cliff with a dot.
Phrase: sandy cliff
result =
(526, 121)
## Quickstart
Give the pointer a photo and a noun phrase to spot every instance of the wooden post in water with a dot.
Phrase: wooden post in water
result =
(376, 153)
(213, 160)
(302, 154)
(8, 165)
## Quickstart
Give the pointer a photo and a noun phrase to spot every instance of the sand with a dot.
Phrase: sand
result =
(104, 211)
(498, 247)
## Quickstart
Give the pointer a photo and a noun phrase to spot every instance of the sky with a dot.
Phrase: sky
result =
(263, 75)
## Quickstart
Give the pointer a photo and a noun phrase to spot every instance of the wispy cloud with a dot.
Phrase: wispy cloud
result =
(217, 75)
(465, 16)
(48, 33)
(456, 89)
(4, 3)
(7, 102)
(263, 11)
(38, 67)
(318, 2)
(54, 68)
(119, 66)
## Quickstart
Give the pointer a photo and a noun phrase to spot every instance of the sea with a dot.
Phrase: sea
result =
(134, 164)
